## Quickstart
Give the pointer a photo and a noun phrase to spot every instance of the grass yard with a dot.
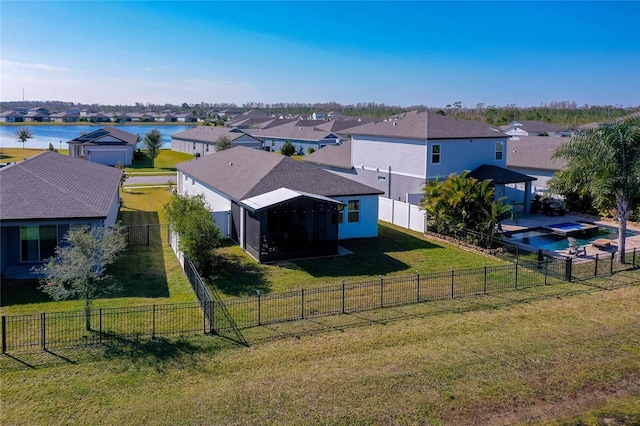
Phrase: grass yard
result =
(396, 252)
(165, 162)
(147, 275)
(558, 355)
(19, 154)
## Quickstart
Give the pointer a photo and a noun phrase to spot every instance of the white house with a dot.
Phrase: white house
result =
(277, 208)
(398, 155)
(108, 146)
(201, 140)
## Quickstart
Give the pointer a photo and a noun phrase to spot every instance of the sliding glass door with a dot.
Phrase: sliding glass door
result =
(38, 242)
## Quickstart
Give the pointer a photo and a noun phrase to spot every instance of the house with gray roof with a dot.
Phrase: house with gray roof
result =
(108, 146)
(43, 197)
(301, 134)
(277, 208)
(202, 140)
(531, 128)
(399, 154)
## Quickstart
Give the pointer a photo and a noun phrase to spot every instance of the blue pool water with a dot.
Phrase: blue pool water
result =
(547, 240)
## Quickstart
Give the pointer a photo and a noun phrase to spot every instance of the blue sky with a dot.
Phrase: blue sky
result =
(391, 52)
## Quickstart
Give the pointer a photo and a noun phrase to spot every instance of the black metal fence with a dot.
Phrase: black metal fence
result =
(147, 235)
(227, 317)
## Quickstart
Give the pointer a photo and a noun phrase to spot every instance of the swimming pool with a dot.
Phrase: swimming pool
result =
(546, 239)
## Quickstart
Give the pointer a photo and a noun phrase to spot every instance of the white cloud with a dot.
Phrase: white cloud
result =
(31, 66)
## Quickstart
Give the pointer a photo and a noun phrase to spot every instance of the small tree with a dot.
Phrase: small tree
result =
(310, 150)
(152, 143)
(198, 234)
(124, 176)
(288, 149)
(222, 143)
(77, 268)
(23, 134)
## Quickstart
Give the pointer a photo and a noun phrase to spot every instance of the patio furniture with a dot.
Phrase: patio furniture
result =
(575, 248)
(601, 243)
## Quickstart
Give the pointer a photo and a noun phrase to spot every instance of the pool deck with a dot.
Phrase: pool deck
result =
(541, 220)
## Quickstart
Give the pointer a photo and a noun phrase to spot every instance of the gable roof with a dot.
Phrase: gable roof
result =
(241, 172)
(427, 125)
(105, 136)
(209, 134)
(332, 155)
(55, 186)
(532, 126)
(295, 131)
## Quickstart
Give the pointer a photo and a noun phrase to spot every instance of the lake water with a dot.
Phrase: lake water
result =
(60, 135)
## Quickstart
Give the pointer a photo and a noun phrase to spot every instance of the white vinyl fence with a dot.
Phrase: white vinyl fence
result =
(402, 214)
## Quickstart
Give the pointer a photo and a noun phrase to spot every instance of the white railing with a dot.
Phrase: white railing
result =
(402, 214)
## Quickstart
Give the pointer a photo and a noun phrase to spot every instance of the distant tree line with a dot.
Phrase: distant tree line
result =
(563, 113)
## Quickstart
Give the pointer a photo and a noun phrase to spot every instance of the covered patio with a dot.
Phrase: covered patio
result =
(287, 224)
(500, 177)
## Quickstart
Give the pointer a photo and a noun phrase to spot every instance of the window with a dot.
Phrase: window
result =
(353, 211)
(38, 243)
(435, 154)
(499, 149)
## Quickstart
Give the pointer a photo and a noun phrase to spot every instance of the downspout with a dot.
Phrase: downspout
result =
(389, 182)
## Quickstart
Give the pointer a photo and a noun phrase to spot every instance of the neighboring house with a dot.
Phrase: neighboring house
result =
(11, 117)
(186, 118)
(45, 196)
(98, 117)
(398, 155)
(201, 140)
(41, 110)
(532, 155)
(64, 117)
(108, 146)
(531, 128)
(277, 208)
(302, 137)
(36, 117)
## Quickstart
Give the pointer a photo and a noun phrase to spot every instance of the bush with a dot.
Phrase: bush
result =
(288, 149)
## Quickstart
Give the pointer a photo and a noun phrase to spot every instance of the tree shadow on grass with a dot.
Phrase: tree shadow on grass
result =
(141, 273)
(159, 353)
(235, 275)
(20, 292)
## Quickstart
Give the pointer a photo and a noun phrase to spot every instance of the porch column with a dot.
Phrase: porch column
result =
(527, 198)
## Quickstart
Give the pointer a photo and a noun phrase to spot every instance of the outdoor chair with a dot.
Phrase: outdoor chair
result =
(575, 248)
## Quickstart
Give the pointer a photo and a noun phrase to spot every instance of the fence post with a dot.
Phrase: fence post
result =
(381, 291)
(259, 319)
(484, 283)
(153, 320)
(611, 264)
(516, 276)
(148, 234)
(418, 293)
(633, 261)
(43, 331)
(452, 291)
(595, 271)
(546, 270)
(100, 325)
(4, 334)
(343, 295)
(302, 300)
(567, 269)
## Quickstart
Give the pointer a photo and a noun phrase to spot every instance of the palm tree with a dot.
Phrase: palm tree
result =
(604, 162)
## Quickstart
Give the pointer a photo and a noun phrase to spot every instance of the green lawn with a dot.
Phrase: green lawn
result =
(558, 355)
(396, 252)
(147, 275)
(165, 162)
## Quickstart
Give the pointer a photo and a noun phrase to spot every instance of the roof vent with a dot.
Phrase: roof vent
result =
(230, 164)
(395, 124)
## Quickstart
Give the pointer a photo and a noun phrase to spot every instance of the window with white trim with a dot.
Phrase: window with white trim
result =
(435, 154)
(353, 211)
(499, 151)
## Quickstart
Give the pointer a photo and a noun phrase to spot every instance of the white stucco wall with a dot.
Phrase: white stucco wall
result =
(405, 156)
(217, 201)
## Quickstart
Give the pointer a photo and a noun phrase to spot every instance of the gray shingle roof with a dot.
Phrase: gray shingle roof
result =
(106, 133)
(533, 126)
(534, 152)
(54, 186)
(332, 155)
(208, 134)
(427, 125)
(294, 131)
(242, 172)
